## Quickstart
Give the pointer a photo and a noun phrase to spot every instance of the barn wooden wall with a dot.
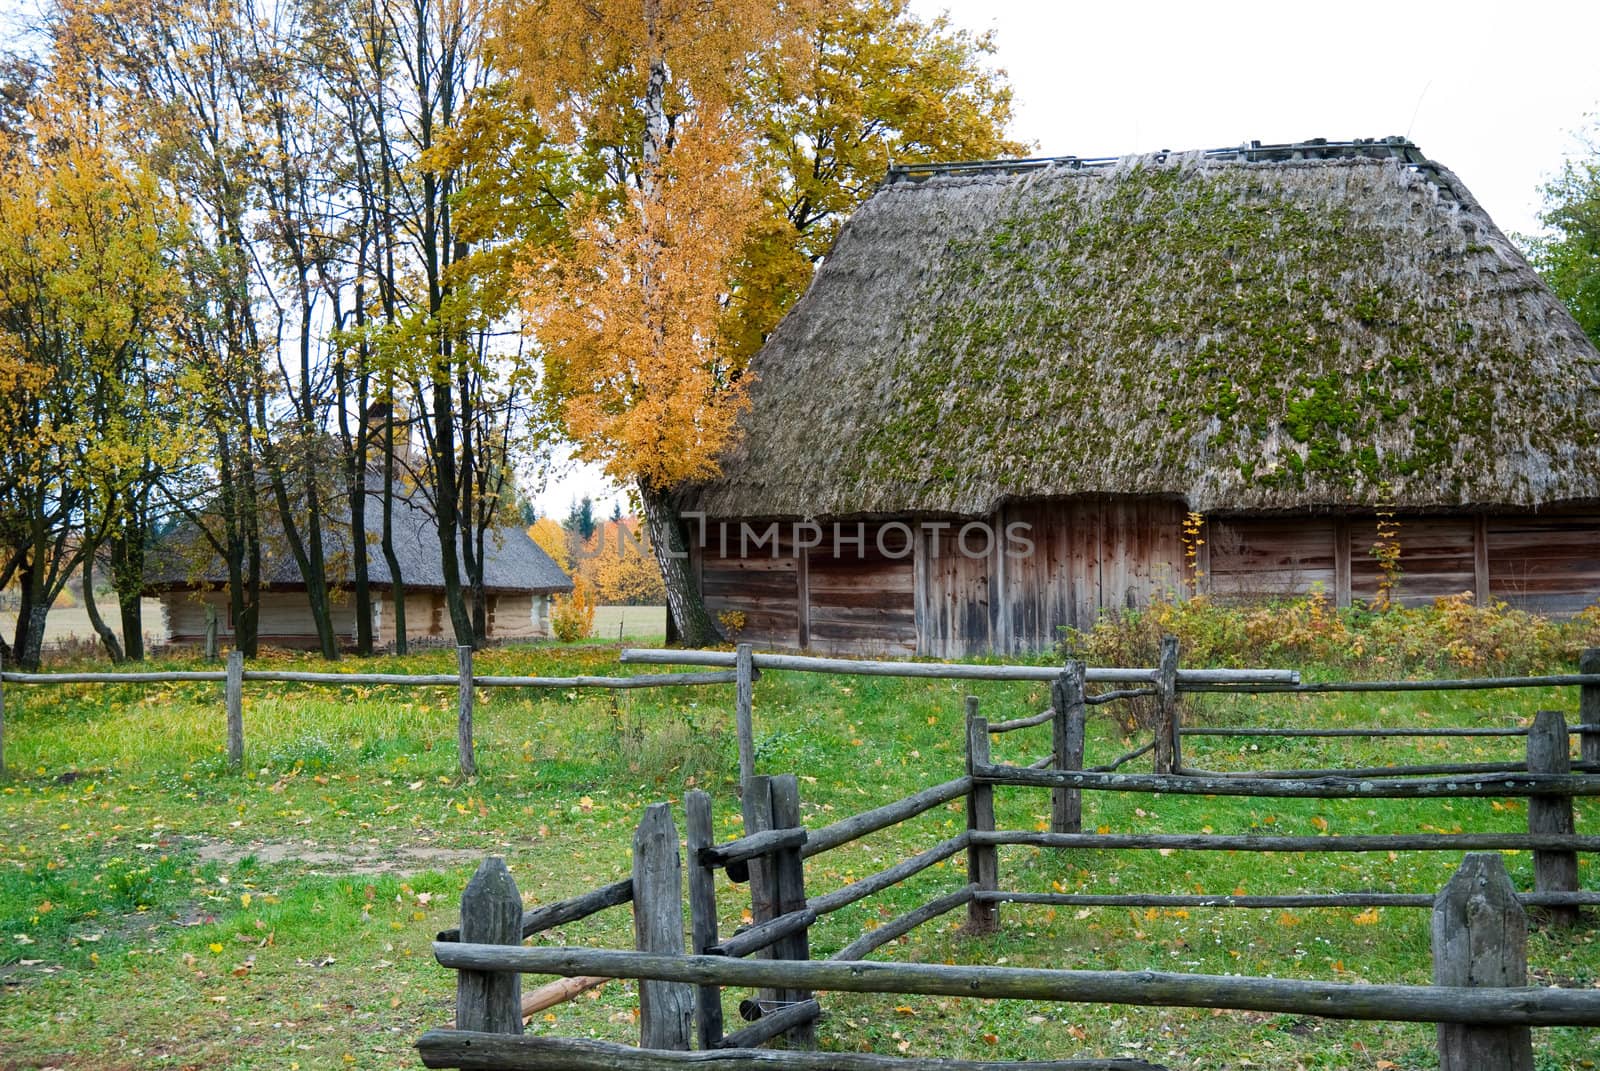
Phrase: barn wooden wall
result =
(1105, 552)
(860, 601)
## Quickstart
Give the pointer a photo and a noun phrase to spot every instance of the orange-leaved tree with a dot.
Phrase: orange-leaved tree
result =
(626, 308)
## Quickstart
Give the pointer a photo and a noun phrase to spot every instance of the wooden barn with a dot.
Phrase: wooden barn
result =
(1073, 356)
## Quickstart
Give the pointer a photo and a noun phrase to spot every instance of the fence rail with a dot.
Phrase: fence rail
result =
(1480, 997)
(465, 681)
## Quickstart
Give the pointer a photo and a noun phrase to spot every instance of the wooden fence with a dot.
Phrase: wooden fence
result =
(464, 681)
(1480, 1000)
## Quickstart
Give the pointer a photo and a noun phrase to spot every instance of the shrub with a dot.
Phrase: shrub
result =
(572, 616)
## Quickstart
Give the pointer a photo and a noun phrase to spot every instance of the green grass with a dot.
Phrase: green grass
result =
(157, 910)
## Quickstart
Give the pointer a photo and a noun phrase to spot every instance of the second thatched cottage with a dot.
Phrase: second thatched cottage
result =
(1011, 384)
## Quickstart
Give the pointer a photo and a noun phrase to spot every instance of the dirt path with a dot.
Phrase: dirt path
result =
(330, 860)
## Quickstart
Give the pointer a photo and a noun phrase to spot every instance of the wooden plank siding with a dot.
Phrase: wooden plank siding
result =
(1437, 558)
(861, 594)
(961, 593)
(1547, 563)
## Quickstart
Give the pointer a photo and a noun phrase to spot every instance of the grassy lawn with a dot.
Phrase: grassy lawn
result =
(158, 911)
(636, 624)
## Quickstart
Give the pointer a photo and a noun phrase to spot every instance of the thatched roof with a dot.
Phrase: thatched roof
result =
(513, 564)
(1248, 329)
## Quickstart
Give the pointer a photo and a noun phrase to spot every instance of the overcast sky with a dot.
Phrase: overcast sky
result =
(1494, 91)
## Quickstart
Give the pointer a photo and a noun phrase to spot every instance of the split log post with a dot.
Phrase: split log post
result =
(666, 1009)
(1589, 707)
(983, 861)
(1066, 700)
(468, 760)
(233, 695)
(756, 805)
(1169, 751)
(1553, 871)
(702, 913)
(491, 914)
(1480, 937)
(789, 880)
(744, 711)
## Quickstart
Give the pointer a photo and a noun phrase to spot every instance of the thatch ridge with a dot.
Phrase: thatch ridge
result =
(1248, 335)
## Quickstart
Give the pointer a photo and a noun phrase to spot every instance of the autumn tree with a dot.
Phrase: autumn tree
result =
(626, 308)
(862, 85)
(87, 294)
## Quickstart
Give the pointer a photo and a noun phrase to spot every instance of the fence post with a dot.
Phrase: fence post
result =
(1168, 751)
(983, 864)
(1553, 871)
(756, 807)
(789, 881)
(1066, 699)
(469, 761)
(233, 694)
(1589, 707)
(702, 912)
(1480, 937)
(666, 1009)
(744, 666)
(491, 914)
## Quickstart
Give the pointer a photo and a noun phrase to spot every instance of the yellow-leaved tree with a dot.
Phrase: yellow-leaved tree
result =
(626, 308)
(720, 144)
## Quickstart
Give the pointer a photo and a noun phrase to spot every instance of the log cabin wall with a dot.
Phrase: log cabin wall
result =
(949, 598)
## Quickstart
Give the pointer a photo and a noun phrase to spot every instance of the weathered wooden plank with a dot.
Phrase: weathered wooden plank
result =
(1250, 842)
(903, 924)
(1480, 937)
(865, 667)
(1589, 706)
(488, 1052)
(702, 913)
(860, 825)
(234, 698)
(982, 859)
(752, 845)
(789, 879)
(549, 916)
(755, 803)
(491, 915)
(1168, 750)
(771, 1024)
(1530, 1006)
(1067, 741)
(1281, 900)
(744, 711)
(889, 876)
(666, 1008)
(1553, 870)
(1491, 785)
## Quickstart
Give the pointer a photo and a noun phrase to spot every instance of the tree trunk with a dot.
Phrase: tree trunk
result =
(127, 577)
(445, 505)
(686, 608)
(107, 636)
(397, 583)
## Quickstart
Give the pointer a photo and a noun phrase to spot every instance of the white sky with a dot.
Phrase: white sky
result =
(1494, 91)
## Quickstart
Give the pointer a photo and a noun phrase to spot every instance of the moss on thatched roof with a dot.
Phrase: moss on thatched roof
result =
(1246, 334)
